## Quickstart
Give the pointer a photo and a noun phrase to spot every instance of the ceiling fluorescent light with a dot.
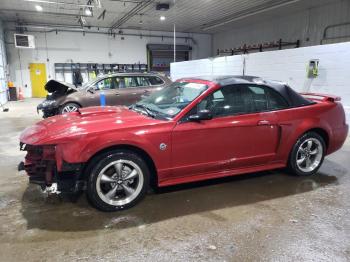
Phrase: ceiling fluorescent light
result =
(60, 3)
(162, 18)
(208, 27)
(38, 8)
(88, 12)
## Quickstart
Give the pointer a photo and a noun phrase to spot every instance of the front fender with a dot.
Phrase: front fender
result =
(83, 150)
(100, 143)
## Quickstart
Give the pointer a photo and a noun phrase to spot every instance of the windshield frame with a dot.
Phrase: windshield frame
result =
(92, 82)
(188, 107)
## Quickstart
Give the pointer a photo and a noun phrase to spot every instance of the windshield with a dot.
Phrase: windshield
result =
(169, 101)
(91, 82)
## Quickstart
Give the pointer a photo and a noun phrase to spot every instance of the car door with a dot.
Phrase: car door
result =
(242, 133)
(111, 90)
(144, 87)
(92, 95)
(129, 91)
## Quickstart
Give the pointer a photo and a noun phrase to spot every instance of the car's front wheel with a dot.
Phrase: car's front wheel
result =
(117, 181)
(307, 154)
(69, 107)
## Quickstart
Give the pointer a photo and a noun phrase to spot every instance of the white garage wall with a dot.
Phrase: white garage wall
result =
(285, 65)
(306, 25)
(3, 84)
(66, 47)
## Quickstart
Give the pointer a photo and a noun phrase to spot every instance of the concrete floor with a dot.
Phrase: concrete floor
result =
(268, 216)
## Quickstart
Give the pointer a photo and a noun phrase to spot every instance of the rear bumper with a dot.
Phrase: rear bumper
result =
(338, 138)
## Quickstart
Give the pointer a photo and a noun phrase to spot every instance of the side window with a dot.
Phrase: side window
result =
(254, 98)
(241, 99)
(130, 81)
(120, 82)
(276, 101)
(154, 80)
(105, 84)
(224, 102)
(143, 81)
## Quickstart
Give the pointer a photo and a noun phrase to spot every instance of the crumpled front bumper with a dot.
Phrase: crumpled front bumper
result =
(41, 167)
(40, 171)
(47, 109)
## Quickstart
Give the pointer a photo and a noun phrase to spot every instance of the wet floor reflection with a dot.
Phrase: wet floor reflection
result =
(62, 215)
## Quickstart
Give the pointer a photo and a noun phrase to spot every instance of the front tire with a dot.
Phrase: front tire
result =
(117, 181)
(69, 107)
(307, 155)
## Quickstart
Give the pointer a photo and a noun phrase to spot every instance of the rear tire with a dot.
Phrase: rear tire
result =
(69, 107)
(307, 155)
(117, 181)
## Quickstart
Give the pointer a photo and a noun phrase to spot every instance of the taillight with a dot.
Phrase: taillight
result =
(334, 99)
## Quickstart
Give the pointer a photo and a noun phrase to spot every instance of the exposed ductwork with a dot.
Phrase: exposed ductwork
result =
(134, 11)
(90, 4)
(47, 28)
(44, 13)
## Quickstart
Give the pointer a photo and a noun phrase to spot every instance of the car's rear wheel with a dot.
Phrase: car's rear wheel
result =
(307, 154)
(117, 181)
(69, 107)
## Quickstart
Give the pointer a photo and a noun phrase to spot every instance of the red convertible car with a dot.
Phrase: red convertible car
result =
(195, 129)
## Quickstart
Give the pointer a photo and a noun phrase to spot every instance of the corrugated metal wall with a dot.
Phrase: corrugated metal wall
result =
(307, 25)
(3, 84)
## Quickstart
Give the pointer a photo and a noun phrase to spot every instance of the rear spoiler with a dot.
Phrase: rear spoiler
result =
(321, 97)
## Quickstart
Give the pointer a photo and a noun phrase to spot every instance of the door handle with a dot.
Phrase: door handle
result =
(146, 91)
(264, 123)
(117, 94)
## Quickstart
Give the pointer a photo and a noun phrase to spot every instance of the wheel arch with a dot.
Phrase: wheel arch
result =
(322, 132)
(139, 151)
(71, 102)
(318, 130)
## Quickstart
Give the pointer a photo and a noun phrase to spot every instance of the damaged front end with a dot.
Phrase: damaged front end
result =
(49, 107)
(57, 91)
(41, 166)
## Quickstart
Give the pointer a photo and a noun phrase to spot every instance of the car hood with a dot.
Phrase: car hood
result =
(59, 86)
(88, 121)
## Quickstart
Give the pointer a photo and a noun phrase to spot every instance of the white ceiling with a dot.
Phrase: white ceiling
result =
(189, 15)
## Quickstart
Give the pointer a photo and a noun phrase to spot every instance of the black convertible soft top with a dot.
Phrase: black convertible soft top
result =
(293, 98)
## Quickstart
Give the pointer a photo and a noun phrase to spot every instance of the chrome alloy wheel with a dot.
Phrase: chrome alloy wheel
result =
(309, 155)
(120, 182)
(69, 108)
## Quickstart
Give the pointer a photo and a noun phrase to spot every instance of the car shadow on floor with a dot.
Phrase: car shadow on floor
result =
(57, 214)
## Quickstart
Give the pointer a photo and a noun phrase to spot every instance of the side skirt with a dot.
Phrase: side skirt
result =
(225, 173)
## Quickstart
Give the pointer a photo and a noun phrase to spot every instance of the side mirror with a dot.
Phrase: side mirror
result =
(91, 90)
(201, 115)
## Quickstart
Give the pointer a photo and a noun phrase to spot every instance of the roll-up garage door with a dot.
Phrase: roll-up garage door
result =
(160, 56)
